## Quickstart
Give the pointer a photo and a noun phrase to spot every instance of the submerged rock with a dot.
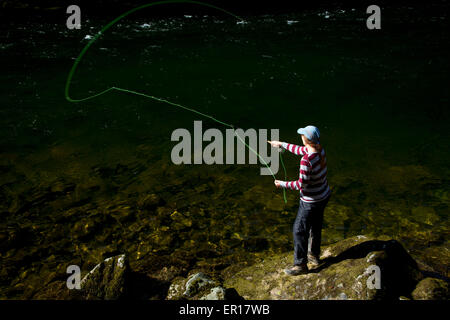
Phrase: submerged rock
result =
(346, 272)
(424, 214)
(180, 220)
(150, 201)
(107, 281)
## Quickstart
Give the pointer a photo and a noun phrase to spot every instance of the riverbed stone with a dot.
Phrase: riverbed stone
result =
(150, 201)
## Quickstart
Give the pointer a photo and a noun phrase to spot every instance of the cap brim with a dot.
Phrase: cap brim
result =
(301, 131)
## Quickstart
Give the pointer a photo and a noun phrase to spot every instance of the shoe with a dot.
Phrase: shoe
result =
(296, 270)
(314, 260)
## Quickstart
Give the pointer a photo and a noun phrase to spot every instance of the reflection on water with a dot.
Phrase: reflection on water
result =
(80, 182)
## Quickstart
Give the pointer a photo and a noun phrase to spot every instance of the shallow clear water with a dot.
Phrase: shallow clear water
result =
(74, 177)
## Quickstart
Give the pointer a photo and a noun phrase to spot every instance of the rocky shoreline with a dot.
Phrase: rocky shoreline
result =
(345, 273)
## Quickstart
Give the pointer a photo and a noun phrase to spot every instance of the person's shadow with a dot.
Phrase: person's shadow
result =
(392, 248)
(361, 250)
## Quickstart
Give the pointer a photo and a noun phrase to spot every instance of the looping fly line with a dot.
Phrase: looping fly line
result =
(113, 22)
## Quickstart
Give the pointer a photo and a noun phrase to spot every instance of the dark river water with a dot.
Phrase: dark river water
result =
(80, 182)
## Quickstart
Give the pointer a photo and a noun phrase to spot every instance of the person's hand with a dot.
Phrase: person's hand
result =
(275, 144)
(277, 183)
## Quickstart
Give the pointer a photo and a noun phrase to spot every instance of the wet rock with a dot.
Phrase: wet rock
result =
(346, 272)
(107, 281)
(431, 289)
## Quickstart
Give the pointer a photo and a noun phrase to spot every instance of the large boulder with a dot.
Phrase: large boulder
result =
(347, 271)
(431, 289)
(107, 281)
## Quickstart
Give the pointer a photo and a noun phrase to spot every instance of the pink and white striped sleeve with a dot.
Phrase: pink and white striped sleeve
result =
(293, 185)
(295, 149)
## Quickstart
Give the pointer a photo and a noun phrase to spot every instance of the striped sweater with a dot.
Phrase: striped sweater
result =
(312, 181)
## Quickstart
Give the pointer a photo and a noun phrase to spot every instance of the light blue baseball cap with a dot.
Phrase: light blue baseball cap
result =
(311, 133)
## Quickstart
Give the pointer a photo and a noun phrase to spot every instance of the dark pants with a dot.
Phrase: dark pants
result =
(308, 229)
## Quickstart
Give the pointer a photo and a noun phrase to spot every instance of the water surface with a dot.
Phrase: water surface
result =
(81, 182)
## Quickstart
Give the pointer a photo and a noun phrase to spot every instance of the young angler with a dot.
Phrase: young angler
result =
(314, 196)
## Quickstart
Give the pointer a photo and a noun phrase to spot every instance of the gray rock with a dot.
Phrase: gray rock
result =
(195, 283)
(216, 293)
(199, 286)
(107, 280)
(342, 296)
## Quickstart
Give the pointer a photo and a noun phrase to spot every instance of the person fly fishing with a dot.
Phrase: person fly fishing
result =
(314, 196)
